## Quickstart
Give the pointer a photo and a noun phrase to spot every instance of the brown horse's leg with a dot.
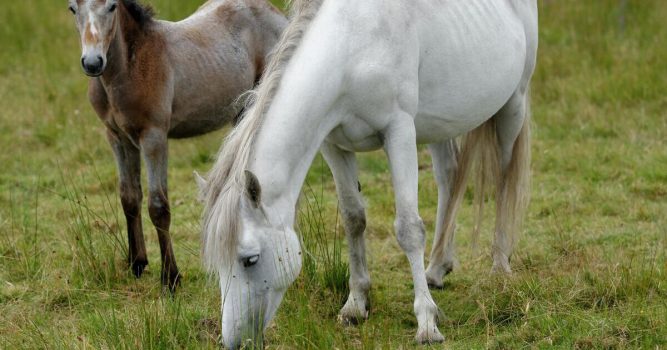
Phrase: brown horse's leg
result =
(154, 146)
(128, 158)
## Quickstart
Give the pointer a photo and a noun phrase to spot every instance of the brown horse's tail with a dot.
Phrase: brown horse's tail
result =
(480, 152)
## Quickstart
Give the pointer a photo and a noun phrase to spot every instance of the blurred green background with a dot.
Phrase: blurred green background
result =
(589, 271)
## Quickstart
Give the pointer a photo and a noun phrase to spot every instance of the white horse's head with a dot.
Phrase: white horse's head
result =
(96, 22)
(267, 259)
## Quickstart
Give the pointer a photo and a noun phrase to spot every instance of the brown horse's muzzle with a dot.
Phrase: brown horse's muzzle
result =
(93, 65)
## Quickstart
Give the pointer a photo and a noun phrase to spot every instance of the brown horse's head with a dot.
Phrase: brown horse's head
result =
(96, 22)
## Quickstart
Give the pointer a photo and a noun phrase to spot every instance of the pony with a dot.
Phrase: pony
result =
(152, 80)
(353, 76)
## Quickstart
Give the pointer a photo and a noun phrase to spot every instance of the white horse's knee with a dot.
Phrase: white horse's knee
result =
(410, 233)
(444, 176)
(355, 221)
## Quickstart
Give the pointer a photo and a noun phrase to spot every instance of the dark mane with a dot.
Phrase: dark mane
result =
(142, 14)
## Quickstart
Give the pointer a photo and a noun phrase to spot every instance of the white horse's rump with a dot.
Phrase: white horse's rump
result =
(366, 75)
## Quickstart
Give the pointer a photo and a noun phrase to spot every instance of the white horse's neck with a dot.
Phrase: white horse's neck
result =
(298, 121)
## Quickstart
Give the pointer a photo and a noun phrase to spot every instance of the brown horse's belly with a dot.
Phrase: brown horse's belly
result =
(202, 123)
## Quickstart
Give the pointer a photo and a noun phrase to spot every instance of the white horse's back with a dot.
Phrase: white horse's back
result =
(465, 58)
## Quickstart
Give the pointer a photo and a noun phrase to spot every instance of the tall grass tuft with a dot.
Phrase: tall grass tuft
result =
(94, 240)
(161, 324)
(323, 261)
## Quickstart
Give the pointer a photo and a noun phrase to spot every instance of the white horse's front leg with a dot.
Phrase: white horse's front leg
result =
(401, 148)
(343, 166)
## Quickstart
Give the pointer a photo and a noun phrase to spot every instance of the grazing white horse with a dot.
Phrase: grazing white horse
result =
(352, 76)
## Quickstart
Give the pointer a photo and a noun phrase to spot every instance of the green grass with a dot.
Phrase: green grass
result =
(589, 270)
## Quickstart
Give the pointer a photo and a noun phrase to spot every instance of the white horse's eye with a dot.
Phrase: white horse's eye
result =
(250, 261)
(112, 8)
(72, 10)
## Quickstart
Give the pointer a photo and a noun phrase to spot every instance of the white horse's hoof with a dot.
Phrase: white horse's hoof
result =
(434, 275)
(428, 318)
(434, 282)
(500, 269)
(353, 313)
(352, 318)
(429, 336)
(501, 266)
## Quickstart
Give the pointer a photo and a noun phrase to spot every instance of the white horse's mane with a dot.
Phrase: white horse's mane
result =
(222, 196)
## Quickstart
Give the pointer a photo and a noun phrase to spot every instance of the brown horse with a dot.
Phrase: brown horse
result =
(153, 80)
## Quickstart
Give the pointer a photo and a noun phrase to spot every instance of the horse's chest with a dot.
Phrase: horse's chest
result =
(129, 111)
(131, 121)
(357, 136)
(123, 125)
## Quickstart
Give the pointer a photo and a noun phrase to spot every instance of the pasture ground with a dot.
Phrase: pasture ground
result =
(589, 270)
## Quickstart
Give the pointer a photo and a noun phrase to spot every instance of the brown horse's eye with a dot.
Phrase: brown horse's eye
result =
(72, 10)
(112, 8)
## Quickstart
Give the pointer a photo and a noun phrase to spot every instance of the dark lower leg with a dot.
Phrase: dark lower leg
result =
(154, 147)
(161, 218)
(137, 257)
(128, 159)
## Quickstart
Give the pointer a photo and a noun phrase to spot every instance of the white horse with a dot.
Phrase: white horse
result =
(352, 76)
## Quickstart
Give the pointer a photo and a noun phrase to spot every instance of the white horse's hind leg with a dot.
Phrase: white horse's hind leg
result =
(444, 167)
(509, 127)
(401, 150)
(344, 168)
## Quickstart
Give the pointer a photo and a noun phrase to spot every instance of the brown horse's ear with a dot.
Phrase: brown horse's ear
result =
(253, 189)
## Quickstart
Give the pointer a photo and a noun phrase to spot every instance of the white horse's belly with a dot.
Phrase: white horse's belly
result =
(468, 69)
(459, 100)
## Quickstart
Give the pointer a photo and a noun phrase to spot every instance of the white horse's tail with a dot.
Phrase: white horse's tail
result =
(480, 152)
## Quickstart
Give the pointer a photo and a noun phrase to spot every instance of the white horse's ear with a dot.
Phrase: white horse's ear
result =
(201, 183)
(253, 189)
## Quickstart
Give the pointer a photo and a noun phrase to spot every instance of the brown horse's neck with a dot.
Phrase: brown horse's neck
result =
(128, 36)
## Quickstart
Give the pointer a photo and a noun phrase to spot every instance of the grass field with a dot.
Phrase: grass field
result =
(590, 271)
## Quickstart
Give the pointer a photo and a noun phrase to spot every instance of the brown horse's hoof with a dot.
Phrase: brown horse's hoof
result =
(138, 266)
(171, 281)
